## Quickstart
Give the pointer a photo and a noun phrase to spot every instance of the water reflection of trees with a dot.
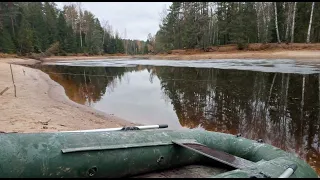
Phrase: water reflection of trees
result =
(282, 109)
(86, 84)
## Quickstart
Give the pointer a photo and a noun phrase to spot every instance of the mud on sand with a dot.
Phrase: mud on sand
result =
(41, 104)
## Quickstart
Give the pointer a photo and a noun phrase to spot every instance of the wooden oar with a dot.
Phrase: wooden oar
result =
(160, 126)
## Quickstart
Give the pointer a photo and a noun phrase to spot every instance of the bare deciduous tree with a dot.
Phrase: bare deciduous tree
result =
(310, 22)
(276, 21)
(288, 22)
(80, 21)
(293, 21)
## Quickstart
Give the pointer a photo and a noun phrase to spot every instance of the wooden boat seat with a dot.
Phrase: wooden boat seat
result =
(223, 157)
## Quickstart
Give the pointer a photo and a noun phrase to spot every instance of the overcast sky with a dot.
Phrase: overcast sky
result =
(138, 18)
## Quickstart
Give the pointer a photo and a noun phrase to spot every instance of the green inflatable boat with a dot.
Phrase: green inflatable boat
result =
(139, 152)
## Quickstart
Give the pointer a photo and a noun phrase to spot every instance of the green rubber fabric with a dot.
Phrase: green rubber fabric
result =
(129, 153)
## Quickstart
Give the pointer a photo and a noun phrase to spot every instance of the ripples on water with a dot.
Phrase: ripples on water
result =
(277, 101)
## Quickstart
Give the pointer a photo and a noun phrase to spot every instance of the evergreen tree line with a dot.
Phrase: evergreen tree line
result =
(204, 24)
(40, 27)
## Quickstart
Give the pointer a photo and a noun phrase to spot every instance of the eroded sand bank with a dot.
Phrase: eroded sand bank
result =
(41, 104)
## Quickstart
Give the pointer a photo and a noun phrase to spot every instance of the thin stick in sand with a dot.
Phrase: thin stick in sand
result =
(14, 85)
(4, 91)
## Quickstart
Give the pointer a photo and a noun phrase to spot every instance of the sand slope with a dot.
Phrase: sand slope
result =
(41, 104)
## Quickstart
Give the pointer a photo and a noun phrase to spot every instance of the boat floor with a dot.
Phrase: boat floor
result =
(190, 171)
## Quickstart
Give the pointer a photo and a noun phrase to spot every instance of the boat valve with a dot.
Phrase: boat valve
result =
(260, 141)
(260, 175)
(160, 158)
(92, 171)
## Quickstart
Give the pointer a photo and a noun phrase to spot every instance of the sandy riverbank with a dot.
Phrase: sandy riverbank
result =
(41, 104)
(299, 55)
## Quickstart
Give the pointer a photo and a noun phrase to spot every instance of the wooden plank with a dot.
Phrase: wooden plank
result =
(223, 157)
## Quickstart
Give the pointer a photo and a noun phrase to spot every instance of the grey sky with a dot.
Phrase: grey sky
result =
(138, 18)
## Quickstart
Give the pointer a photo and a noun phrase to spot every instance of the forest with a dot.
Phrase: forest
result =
(204, 24)
(41, 28)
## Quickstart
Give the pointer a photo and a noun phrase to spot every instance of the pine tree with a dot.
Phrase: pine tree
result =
(71, 43)
(145, 49)
(38, 25)
(51, 14)
(25, 36)
(97, 36)
(62, 34)
(119, 45)
(6, 43)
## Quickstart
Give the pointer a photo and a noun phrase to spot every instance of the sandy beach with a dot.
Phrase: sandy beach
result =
(41, 104)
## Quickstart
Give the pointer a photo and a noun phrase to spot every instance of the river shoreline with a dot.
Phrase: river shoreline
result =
(41, 99)
(41, 104)
(298, 55)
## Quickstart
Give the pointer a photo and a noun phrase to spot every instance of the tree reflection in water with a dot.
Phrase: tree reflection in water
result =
(282, 109)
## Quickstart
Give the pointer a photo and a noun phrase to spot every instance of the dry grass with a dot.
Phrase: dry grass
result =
(251, 47)
(283, 46)
(5, 55)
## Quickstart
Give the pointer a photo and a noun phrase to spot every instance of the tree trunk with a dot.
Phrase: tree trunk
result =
(80, 22)
(276, 21)
(265, 24)
(310, 22)
(258, 25)
(319, 103)
(288, 22)
(12, 25)
(302, 101)
(104, 33)
(293, 21)
(270, 91)
(286, 97)
(214, 32)
(268, 19)
(125, 40)
(80, 36)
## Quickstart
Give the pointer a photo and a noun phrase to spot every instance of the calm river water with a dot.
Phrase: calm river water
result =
(277, 101)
